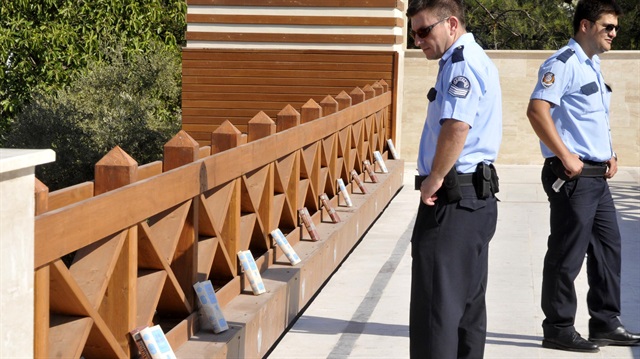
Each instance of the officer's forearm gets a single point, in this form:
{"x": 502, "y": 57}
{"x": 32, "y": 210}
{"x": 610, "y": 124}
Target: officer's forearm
{"x": 453, "y": 135}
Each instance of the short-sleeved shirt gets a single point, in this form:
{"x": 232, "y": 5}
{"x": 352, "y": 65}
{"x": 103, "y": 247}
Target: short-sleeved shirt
{"x": 573, "y": 84}
{"x": 467, "y": 89}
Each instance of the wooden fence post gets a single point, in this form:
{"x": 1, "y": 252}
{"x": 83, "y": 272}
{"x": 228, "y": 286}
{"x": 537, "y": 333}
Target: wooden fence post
{"x": 119, "y": 308}
{"x": 329, "y": 105}
{"x": 260, "y": 126}
{"x": 384, "y": 84}
{"x": 225, "y": 137}
{"x": 344, "y": 100}
{"x": 369, "y": 92}
{"x": 287, "y": 118}
{"x": 357, "y": 95}
{"x": 41, "y": 285}
{"x": 179, "y": 151}
{"x": 377, "y": 89}
{"x": 114, "y": 170}
{"x": 310, "y": 111}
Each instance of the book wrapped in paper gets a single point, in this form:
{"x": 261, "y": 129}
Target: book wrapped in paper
{"x": 367, "y": 167}
{"x": 344, "y": 192}
{"x": 380, "y": 161}
{"x": 210, "y": 306}
{"x": 358, "y": 181}
{"x": 156, "y": 342}
{"x": 143, "y": 352}
{"x": 283, "y": 243}
{"x": 392, "y": 149}
{"x": 251, "y": 270}
{"x": 327, "y": 206}
{"x": 305, "y": 217}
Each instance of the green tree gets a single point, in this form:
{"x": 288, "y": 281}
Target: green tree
{"x": 131, "y": 102}
{"x": 538, "y": 24}
{"x": 519, "y": 25}
{"x": 45, "y": 43}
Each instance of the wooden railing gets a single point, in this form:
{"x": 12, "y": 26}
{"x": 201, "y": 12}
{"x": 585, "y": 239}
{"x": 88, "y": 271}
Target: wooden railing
{"x": 124, "y": 250}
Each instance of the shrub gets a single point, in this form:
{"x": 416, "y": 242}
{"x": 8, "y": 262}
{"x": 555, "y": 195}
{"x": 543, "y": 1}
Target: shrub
{"x": 131, "y": 102}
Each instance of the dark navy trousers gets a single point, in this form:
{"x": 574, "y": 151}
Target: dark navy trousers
{"x": 583, "y": 222}
{"x": 449, "y": 248}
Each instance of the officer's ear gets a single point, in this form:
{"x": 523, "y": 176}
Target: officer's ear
{"x": 454, "y": 23}
{"x": 585, "y": 25}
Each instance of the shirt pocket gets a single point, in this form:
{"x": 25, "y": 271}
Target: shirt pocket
{"x": 589, "y": 89}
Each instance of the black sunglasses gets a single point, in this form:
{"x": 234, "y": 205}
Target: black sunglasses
{"x": 608, "y": 27}
{"x": 423, "y": 32}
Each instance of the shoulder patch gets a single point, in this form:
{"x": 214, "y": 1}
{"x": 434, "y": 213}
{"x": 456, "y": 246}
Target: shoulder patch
{"x": 548, "y": 79}
{"x": 565, "y": 55}
{"x": 459, "y": 87}
{"x": 457, "y": 55}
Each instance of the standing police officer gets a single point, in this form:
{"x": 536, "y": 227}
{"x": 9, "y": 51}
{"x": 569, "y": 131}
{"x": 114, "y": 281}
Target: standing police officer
{"x": 569, "y": 111}
{"x": 458, "y": 212}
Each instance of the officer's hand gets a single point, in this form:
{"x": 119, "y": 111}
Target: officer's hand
{"x": 428, "y": 190}
{"x": 612, "y": 165}
{"x": 573, "y": 165}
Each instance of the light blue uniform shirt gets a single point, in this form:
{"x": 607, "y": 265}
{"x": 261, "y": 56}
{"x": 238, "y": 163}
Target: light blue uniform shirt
{"x": 574, "y": 85}
{"x": 467, "y": 89}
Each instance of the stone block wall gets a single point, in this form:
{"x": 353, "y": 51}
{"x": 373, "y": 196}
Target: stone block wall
{"x": 518, "y": 75}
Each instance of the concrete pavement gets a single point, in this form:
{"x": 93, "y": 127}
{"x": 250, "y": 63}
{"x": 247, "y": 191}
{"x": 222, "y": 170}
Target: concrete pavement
{"x": 363, "y": 310}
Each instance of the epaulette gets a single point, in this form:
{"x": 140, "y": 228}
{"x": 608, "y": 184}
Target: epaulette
{"x": 457, "y": 55}
{"x": 565, "y": 55}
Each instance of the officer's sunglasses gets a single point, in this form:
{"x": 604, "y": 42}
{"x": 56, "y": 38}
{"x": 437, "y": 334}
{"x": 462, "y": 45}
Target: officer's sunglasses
{"x": 608, "y": 27}
{"x": 424, "y": 31}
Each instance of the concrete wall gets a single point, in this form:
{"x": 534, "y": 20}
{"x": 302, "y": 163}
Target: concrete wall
{"x": 518, "y": 75}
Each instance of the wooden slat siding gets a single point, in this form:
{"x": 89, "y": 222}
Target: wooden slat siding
{"x": 295, "y": 38}
{"x": 319, "y": 56}
{"x": 294, "y": 20}
{"x": 257, "y": 81}
{"x": 345, "y": 25}
{"x": 300, "y": 3}
{"x": 67, "y": 229}
{"x": 279, "y": 65}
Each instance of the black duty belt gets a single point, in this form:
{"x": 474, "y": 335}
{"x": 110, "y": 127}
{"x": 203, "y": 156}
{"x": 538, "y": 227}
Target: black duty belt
{"x": 589, "y": 168}
{"x": 464, "y": 179}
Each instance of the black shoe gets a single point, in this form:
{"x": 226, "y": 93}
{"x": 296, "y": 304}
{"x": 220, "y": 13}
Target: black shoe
{"x": 619, "y": 336}
{"x": 570, "y": 341}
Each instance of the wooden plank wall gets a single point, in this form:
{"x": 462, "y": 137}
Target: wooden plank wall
{"x": 220, "y": 85}
{"x": 247, "y": 56}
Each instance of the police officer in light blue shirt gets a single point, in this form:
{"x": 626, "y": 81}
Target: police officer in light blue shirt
{"x": 458, "y": 212}
{"x": 573, "y": 83}
{"x": 465, "y": 90}
{"x": 569, "y": 111}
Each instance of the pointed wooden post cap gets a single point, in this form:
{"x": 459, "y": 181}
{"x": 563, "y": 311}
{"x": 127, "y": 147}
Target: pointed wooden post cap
{"x": 377, "y": 89}
{"x": 114, "y": 170}
{"x": 344, "y": 100}
{"x": 287, "y": 118}
{"x": 384, "y": 84}
{"x": 225, "y": 137}
{"x": 310, "y": 111}
{"x": 357, "y": 96}
{"x": 180, "y": 150}
{"x": 369, "y": 92}
{"x": 260, "y": 126}
{"x": 329, "y": 105}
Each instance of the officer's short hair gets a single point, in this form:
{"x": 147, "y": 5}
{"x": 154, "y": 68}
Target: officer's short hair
{"x": 442, "y": 8}
{"x": 592, "y": 10}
